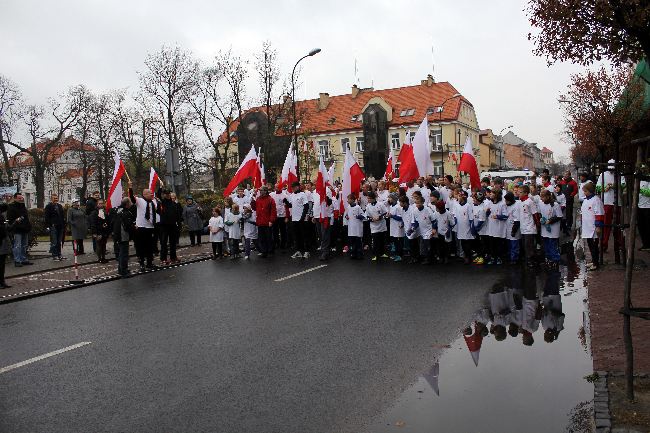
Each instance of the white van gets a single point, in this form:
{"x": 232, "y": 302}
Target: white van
{"x": 509, "y": 174}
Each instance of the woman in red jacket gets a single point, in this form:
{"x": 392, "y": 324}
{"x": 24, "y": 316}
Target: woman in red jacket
{"x": 264, "y": 206}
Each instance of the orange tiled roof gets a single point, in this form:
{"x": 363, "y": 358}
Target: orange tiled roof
{"x": 70, "y": 143}
{"x": 342, "y": 108}
{"x": 546, "y": 150}
{"x": 74, "y": 173}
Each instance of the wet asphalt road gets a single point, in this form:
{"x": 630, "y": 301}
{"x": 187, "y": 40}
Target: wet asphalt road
{"x": 222, "y": 347}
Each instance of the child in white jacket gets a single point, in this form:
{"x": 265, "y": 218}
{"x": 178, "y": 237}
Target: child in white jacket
{"x": 249, "y": 217}
{"x": 216, "y": 229}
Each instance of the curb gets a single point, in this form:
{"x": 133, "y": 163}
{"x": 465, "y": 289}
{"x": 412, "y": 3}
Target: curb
{"x": 602, "y": 416}
{"x": 20, "y": 296}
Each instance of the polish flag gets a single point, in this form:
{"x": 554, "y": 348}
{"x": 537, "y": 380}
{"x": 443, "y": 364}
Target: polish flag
{"x": 422, "y": 150}
{"x": 468, "y": 164}
{"x": 289, "y": 171}
{"x": 408, "y": 170}
{"x": 352, "y": 177}
{"x": 247, "y": 169}
{"x": 390, "y": 166}
{"x": 330, "y": 174}
{"x": 474, "y": 342}
{"x": 260, "y": 178}
{"x": 153, "y": 179}
{"x": 115, "y": 191}
{"x": 322, "y": 179}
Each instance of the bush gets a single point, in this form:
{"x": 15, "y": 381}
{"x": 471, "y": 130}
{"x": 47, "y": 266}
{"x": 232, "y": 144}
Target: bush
{"x": 37, "y": 219}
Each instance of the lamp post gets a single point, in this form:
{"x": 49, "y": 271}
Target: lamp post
{"x": 501, "y": 150}
{"x": 442, "y": 153}
{"x": 293, "y": 103}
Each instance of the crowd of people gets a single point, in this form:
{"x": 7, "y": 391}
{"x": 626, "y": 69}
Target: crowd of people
{"x": 427, "y": 221}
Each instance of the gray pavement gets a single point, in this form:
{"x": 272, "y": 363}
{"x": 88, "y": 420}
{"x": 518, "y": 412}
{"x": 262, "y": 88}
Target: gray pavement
{"x": 221, "y": 346}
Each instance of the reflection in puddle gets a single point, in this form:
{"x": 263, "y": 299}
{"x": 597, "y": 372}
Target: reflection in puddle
{"x": 518, "y": 366}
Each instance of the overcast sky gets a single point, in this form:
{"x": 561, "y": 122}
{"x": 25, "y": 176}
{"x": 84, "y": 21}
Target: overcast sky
{"x": 479, "y": 46}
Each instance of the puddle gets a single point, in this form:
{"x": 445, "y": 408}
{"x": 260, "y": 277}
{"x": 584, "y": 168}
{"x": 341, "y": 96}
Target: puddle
{"x": 490, "y": 381}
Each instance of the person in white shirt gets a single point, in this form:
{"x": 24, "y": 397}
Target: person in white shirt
{"x": 376, "y": 214}
{"x": 398, "y": 205}
{"x": 552, "y": 315}
{"x": 382, "y": 193}
{"x": 145, "y": 221}
{"x": 233, "y": 222}
{"x": 643, "y": 219}
{"x": 324, "y": 219}
{"x": 242, "y": 198}
{"x": 592, "y": 216}
{"x": 463, "y": 212}
{"x": 513, "y": 234}
{"x": 584, "y": 178}
{"x": 299, "y": 208}
{"x": 216, "y": 229}
{"x": 550, "y": 219}
{"x": 561, "y": 200}
{"x": 354, "y": 217}
{"x": 249, "y": 217}
{"x": 280, "y": 224}
{"x": 605, "y": 185}
{"x": 496, "y": 227}
{"x": 528, "y": 217}
{"x": 479, "y": 227}
{"x": 422, "y": 220}
{"x": 443, "y": 223}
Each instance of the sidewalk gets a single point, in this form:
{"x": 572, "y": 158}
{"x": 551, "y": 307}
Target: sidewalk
{"x": 46, "y": 275}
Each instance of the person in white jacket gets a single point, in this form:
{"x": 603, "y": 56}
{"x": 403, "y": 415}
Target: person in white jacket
{"x": 592, "y": 215}
{"x": 216, "y": 229}
{"x": 354, "y": 217}
{"x": 376, "y": 214}
{"x": 233, "y": 221}
{"x": 422, "y": 220}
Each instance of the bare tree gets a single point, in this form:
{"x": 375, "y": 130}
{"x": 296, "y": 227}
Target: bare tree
{"x": 134, "y": 131}
{"x": 168, "y": 79}
{"x": 10, "y": 110}
{"x": 104, "y": 135}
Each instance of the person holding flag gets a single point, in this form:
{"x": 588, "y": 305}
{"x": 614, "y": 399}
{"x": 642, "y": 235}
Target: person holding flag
{"x": 147, "y": 215}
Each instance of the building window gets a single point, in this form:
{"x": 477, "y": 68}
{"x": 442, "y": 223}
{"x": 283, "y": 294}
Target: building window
{"x": 437, "y": 168}
{"x": 359, "y": 144}
{"x": 407, "y": 112}
{"x": 394, "y": 141}
{"x": 345, "y": 144}
{"x": 324, "y": 148}
{"x": 435, "y": 139}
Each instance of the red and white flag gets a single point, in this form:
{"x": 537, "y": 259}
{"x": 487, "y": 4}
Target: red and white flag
{"x": 352, "y": 177}
{"x": 247, "y": 169}
{"x": 422, "y": 150}
{"x": 289, "y": 171}
{"x": 473, "y": 343}
{"x": 468, "y": 164}
{"x": 115, "y": 191}
{"x": 153, "y": 179}
{"x": 330, "y": 174}
{"x": 322, "y": 180}
{"x": 408, "y": 170}
{"x": 260, "y": 178}
{"x": 390, "y": 166}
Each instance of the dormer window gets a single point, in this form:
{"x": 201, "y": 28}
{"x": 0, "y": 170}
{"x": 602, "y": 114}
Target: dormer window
{"x": 407, "y": 112}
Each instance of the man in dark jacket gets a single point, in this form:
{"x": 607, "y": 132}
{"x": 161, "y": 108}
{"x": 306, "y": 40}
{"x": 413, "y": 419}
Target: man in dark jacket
{"x": 169, "y": 220}
{"x": 18, "y": 216}
{"x": 123, "y": 228}
{"x": 569, "y": 189}
{"x": 91, "y": 206}
{"x": 55, "y": 225}
{"x": 266, "y": 211}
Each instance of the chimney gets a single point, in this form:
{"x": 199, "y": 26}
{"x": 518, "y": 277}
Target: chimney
{"x": 429, "y": 81}
{"x": 323, "y": 101}
{"x": 355, "y": 91}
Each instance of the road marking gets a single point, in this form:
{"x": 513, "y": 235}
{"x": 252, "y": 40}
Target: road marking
{"x": 297, "y": 274}
{"x": 39, "y": 358}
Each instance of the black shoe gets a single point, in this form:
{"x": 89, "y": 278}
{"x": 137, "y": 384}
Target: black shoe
{"x": 142, "y": 268}
{"x": 5, "y": 286}
{"x": 27, "y": 263}
{"x": 18, "y": 264}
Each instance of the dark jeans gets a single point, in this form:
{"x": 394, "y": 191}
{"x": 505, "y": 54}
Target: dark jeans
{"x": 529, "y": 247}
{"x": 123, "y": 258}
{"x": 378, "y": 243}
{"x": 356, "y": 249}
{"x": 234, "y": 246}
{"x": 497, "y": 247}
{"x": 79, "y": 245}
{"x": 280, "y": 233}
{"x": 569, "y": 212}
{"x": 146, "y": 241}
{"x": 217, "y": 249}
{"x": 298, "y": 235}
{"x": 325, "y": 239}
{"x": 594, "y": 250}
{"x": 425, "y": 247}
{"x": 56, "y": 240}
{"x": 551, "y": 249}
{"x": 398, "y": 245}
{"x": 167, "y": 242}
{"x": 466, "y": 245}
{"x": 3, "y": 260}
{"x": 265, "y": 239}
{"x": 513, "y": 249}
{"x": 195, "y": 234}
{"x": 643, "y": 220}
{"x": 100, "y": 246}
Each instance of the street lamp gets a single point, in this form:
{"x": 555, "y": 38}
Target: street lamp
{"x": 442, "y": 153}
{"x": 501, "y": 150}
{"x": 293, "y": 103}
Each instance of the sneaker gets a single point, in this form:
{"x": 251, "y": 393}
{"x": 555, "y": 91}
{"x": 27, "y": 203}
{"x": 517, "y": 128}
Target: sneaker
{"x": 374, "y": 259}
{"x": 384, "y": 256}
{"x": 260, "y": 254}
{"x": 397, "y": 259}
{"x": 592, "y": 267}
{"x": 489, "y": 262}
{"x": 27, "y": 263}
{"x": 247, "y": 257}
{"x": 346, "y": 249}
{"x": 18, "y": 264}
{"x": 142, "y": 268}
{"x": 479, "y": 261}
{"x": 498, "y": 262}
{"x": 63, "y": 258}
{"x": 306, "y": 255}
{"x": 426, "y": 262}
{"x": 297, "y": 255}
{"x": 56, "y": 259}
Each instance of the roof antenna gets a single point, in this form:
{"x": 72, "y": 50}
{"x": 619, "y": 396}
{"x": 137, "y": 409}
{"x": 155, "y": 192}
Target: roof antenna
{"x": 356, "y": 72}
{"x": 433, "y": 64}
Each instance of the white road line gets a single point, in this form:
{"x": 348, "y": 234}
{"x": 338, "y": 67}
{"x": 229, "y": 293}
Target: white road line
{"x": 297, "y": 274}
{"x": 39, "y": 358}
